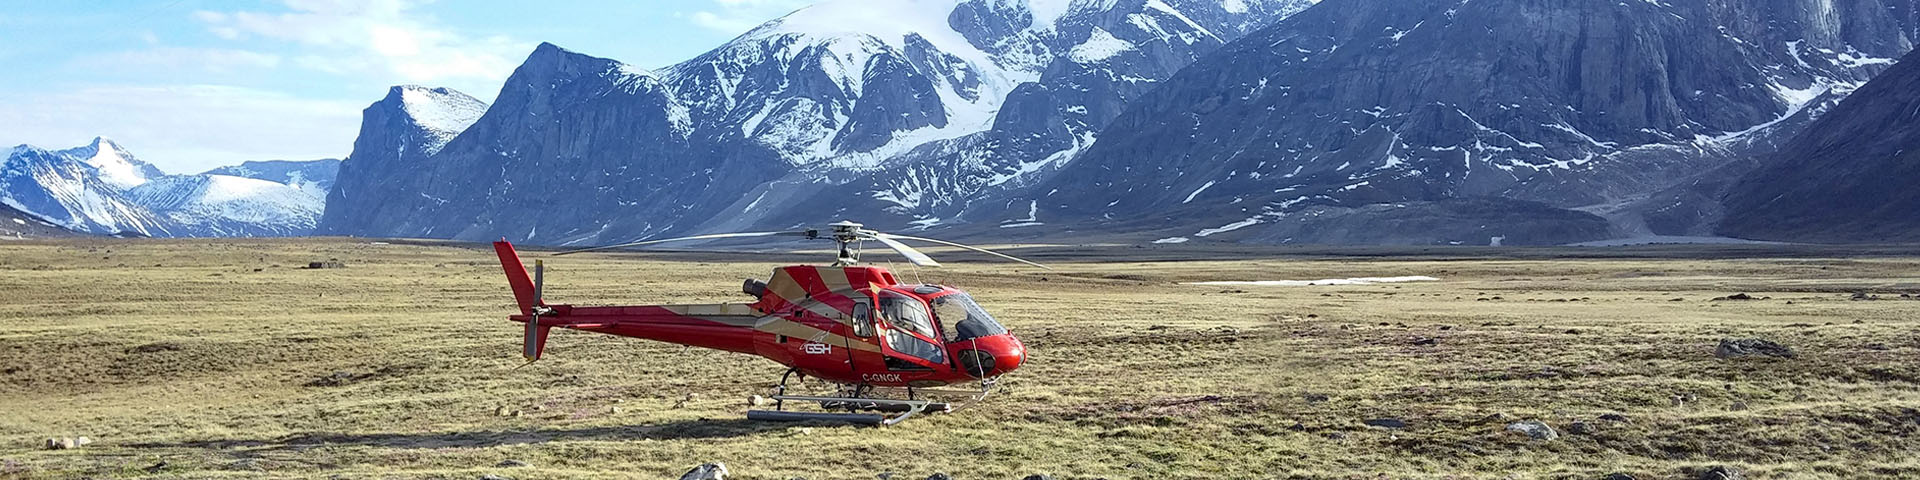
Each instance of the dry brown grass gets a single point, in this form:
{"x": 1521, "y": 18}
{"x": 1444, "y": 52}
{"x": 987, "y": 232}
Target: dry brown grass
{"x": 221, "y": 360}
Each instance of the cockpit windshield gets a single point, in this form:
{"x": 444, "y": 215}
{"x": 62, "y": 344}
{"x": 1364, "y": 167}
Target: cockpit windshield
{"x": 963, "y": 318}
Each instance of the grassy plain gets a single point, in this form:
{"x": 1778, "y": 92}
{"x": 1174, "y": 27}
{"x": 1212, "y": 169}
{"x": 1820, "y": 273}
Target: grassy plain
{"x": 218, "y": 359}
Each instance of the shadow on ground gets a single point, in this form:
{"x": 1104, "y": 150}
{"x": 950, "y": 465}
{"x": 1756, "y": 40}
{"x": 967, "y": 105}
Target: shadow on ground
{"x": 696, "y": 429}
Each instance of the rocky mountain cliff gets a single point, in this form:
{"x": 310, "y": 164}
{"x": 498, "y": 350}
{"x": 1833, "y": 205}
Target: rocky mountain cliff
{"x": 386, "y": 172}
{"x": 1369, "y": 108}
{"x": 1848, "y": 178}
{"x": 894, "y": 112}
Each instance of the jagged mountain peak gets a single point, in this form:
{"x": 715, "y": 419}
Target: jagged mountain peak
{"x": 117, "y": 166}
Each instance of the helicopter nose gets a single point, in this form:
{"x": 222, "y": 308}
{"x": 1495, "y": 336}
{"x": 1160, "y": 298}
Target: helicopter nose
{"x": 1014, "y": 354}
{"x": 992, "y": 355}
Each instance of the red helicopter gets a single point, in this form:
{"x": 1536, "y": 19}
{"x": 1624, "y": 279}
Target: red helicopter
{"x": 854, "y": 326}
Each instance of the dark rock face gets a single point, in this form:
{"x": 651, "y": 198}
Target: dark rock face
{"x": 1369, "y": 102}
{"x": 380, "y": 186}
{"x": 1847, "y": 178}
{"x": 571, "y": 142}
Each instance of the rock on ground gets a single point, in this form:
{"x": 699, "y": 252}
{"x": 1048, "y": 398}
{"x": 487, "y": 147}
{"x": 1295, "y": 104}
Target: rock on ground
{"x": 710, "y": 471}
{"x": 1722, "y": 473}
{"x": 1730, "y": 348}
{"x": 1534, "y": 429}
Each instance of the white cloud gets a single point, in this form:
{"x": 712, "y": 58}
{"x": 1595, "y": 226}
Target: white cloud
{"x": 735, "y": 17}
{"x": 375, "y": 38}
{"x": 186, "y": 128}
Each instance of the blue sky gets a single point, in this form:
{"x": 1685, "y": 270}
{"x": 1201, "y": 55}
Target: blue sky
{"x": 193, "y": 84}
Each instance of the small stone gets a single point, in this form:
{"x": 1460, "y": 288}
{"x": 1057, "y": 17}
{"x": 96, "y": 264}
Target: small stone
{"x": 517, "y": 414}
{"x": 1393, "y": 423}
{"x": 1737, "y": 407}
{"x": 1614, "y": 417}
{"x": 1679, "y": 401}
{"x": 756, "y": 400}
{"x": 1580, "y": 428}
{"x": 939, "y": 476}
{"x": 1722, "y": 473}
{"x": 613, "y": 410}
{"x": 1337, "y": 436}
{"x": 82, "y": 441}
{"x": 1496, "y": 418}
{"x": 156, "y": 468}
{"x": 502, "y": 411}
{"x": 1297, "y": 427}
{"x": 1534, "y": 429}
{"x": 1313, "y": 398}
{"x": 493, "y": 477}
{"x": 710, "y": 471}
{"x": 1618, "y": 476}
{"x": 1426, "y": 342}
{"x": 1038, "y": 476}
{"x": 511, "y": 463}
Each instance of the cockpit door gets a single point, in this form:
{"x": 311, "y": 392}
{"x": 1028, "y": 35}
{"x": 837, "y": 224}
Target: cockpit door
{"x": 909, "y": 339}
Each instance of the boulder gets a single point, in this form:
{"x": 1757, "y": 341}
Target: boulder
{"x": 710, "y": 471}
{"x": 1580, "y": 427}
{"x": 1722, "y": 473}
{"x": 1731, "y": 348}
{"x": 1534, "y": 429}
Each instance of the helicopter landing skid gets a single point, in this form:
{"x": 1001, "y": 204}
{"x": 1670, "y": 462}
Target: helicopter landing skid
{"x": 856, "y": 400}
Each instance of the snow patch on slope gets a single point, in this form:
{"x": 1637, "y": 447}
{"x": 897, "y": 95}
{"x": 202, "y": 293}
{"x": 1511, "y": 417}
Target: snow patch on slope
{"x": 441, "y": 112}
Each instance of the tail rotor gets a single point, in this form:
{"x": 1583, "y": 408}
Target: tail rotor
{"x": 536, "y": 335}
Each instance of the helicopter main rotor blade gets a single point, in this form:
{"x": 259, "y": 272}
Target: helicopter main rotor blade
{"x": 913, "y": 256}
{"x": 798, "y": 233}
{"x": 884, "y": 237}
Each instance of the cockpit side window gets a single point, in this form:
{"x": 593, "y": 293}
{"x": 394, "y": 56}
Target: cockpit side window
{"x": 863, "y": 319}
{"x": 906, "y": 313}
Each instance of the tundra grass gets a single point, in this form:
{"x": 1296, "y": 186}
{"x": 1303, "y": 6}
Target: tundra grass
{"x": 221, "y": 359}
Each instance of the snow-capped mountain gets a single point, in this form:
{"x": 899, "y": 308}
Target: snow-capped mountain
{"x": 65, "y": 188}
{"x": 898, "y": 112}
{"x": 1846, "y": 178}
{"x": 1375, "y": 121}
{"x": 313, "y": 176}
{"x": 208, "y": 205}
{"x": 104, "y": 190}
